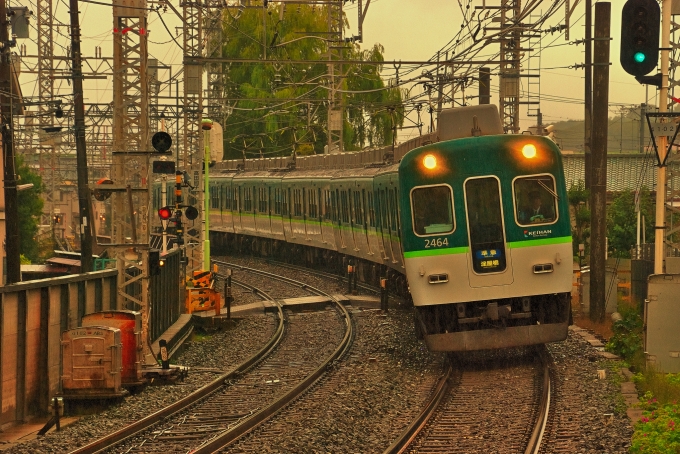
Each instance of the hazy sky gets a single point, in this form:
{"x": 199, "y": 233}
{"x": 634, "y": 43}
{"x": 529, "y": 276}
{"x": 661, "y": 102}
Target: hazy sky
{"x": 417, "y": 29}
{"x": 408, "y": 30}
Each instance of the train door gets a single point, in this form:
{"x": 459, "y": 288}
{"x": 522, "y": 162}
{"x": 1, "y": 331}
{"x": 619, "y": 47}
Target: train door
{"x": 489, "y": 257}
{"x": 290, "y": 213}
{"x": 352, "y": 211}
{"x": 386, "y": 224}
{"x": 394, "y": 232}
{"x": 336, "y": 213}
{"x": 365, "y": 213}
{"x": 240, "y": 208}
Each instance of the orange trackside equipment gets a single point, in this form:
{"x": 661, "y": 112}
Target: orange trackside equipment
{"x": 202, "y": 299}
{"x": 203, "y": 296}
{"x": 202, "y": 279}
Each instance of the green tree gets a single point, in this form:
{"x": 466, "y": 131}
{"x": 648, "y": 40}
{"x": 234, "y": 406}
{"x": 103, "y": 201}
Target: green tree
{"x": 622, "y": 221}
{"x": 30, "y": 209}
{"x": 282, "y": 105}
{"x": 578, "y": 199}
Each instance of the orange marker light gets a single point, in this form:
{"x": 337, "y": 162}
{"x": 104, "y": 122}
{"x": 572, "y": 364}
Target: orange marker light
{"x": 529, "y": 151}
{"x": 430, "y": 162}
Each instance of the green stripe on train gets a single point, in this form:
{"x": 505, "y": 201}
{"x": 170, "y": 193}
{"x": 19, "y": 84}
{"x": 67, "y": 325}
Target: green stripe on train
{"x": 433, "y": 252}
{"x": 540, "y": 242}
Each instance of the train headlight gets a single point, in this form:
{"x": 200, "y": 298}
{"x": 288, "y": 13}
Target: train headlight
{"x": 430, "y": 162}
{"x": 529, "y": 151}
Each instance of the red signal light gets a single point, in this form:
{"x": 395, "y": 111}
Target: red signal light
{"x": 164, "y": 213}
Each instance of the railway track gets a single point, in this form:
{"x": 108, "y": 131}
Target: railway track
{"x": 104, "y": 443}
{"x": 311, "y": 342}
{"x": 483, "y": 409}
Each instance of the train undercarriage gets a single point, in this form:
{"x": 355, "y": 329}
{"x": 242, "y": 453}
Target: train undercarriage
{"x": 502, "y": 323}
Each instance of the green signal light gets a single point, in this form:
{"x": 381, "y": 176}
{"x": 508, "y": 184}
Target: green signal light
{"x": 639, "y": 57}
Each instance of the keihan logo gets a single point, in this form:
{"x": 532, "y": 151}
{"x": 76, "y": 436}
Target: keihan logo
{"x": 536, "y": 233}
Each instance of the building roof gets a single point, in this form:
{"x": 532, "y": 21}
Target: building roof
{"x": 624, "y": 171}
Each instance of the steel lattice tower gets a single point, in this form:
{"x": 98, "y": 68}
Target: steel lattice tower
{"x": 335, "y": 79}
{"x": 130, "y": 169}
{"x": 509, "y": 70}
{"x": 192, "y": 14}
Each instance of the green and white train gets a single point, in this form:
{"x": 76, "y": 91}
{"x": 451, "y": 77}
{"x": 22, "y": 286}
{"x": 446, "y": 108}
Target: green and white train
{"x": 473, "y": 222}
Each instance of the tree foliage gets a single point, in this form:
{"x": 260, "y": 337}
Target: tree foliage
{"x": 30, "y": 206}
{"x": 282, "y": 105}
{"x": 622, "y": 221}
{"x": 578, "y": 199}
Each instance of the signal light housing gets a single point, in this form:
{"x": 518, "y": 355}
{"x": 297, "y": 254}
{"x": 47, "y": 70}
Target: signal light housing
{"x": 165, "y": 213}
{"x": 640, "y": 23}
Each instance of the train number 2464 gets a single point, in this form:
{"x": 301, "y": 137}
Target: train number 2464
{"x": 436, "y": 242}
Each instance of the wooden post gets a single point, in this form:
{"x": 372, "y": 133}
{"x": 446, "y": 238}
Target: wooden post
{"x": 598, "y": 190}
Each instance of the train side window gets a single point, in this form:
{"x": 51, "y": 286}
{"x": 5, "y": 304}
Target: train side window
{"x": 285, "y": 210}
{"x": 384, "y": 221}
{"x": 328, "y": 209}
{"x": 214, "y": 197}
{"x": 371, "y": 210}
{"x": 277, "y": 201}
{"x": 535, "y": 200}
{"x": 432, "y": 210}
{"x": 393, "y": 211}
{"x": 344, "y": 209}
{"x": 358, "y": 208}
{"x": 334, "y": 206}
{"x": 485, "y": 224}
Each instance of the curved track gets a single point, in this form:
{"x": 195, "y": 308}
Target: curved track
{"x": 263, "y": 415}
{"x": 309, "y": 345}
{"x": 476, "y": 410}
{"x": 131, "y": 430}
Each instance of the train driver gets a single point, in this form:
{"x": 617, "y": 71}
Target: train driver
{"x": 536, "y": 212}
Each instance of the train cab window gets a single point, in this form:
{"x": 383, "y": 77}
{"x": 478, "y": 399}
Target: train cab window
{"x": 485, "y": 224}
{"x": 535, "y": 200}
{"x": 432, "y": 210}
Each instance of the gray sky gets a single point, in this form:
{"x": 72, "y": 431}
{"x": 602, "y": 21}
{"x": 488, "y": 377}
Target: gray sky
{"x": 416, "y": 30}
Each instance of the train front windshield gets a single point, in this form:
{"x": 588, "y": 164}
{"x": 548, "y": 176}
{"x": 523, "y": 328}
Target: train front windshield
{"x": 485, "y": 221}
{"x": 432, "y": 208}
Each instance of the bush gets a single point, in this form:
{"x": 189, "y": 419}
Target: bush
{"x": 658, "y": 431}
{"x": 627, "y": 339}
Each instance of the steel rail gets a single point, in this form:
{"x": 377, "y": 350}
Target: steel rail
{"x": 231, "y": 435}
{"x": 409, "y": 434}
{"x": 104, "y": 443}
{"x": 534, "y": 445}
{"x": 325, "y": 274}
{"x": 403, "y": 442}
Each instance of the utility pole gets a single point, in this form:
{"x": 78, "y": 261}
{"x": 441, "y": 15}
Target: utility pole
{"x": 588, "y": 121}
{"x": 598, "y": 190}
{"x": 81, "y": 148}
{"x": 661, "y": 144}
{"x": 643, "y": 122}
{"x": 11, "y": 206}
